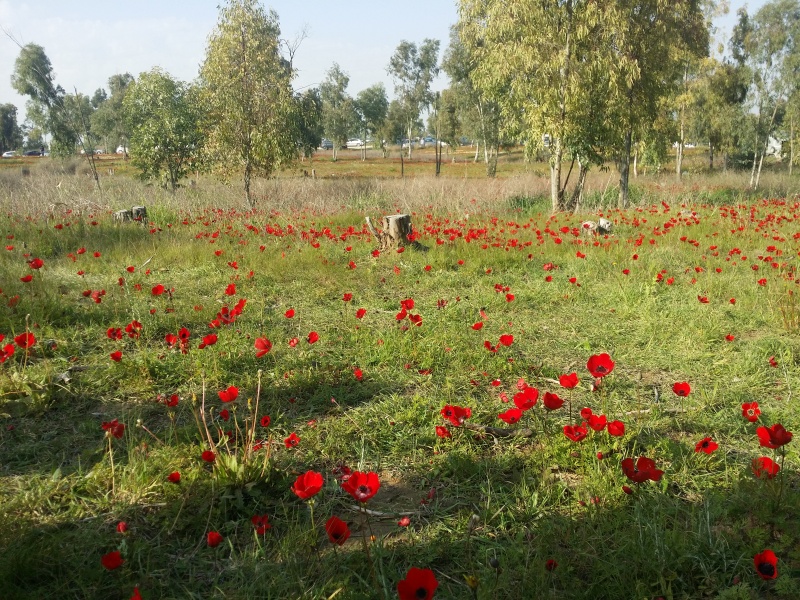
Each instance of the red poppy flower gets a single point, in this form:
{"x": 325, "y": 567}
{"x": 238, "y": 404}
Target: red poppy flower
{"x": 682, "y": 389}
{"x": 158, "y": 290}
{"x": 360, "y": 313}
{"x": 26, "y": 278}
{"x": 36, "y": 263}
{"x": 313, "y": 337}
{"x": 136, "y": 595}
{"x": 506, "y": 339}
{"x": 706, "y": 445}
{"x": 477, "y": 326}
{"x": 773, "y": 437}
{"x": 358, "y": 374}
{"x": 511, "y": 416}
{"x": 443, "y": 432}
{"x": 229, "y": 395}
{"x": 456, "y": 414}
{"x": 773, "y": 362}
{"x": 184, "y": 334}
{"x": 224, "y": 414}
{"x": 262, "y": 346}
{"x": 291, "y": 441}
{"x": 404, "y": 521}
{"x": 174, "y": 477}
{"x": 766, "y": 564}
{"x": 526, "y": 399}
{"x": 289, "y": 313}
{"x": 730, "y": 337}
{"x": 419, "y": 584}
{"x": 576, "y": 432}
{"x": 597, "y": 422}
{"x": 702, "y": 299}
{"x": 25, "y": 340}
{"x": 214, "y": 539}
{"x": 362, "y": 486}
{"x": 586, "y": 412}
{"x": 765, "y": 466}
{"x": 600, "y": 365}
{"x": 293, "y": 342}
{"x": 550, "y": 565}
{"x": 171, "y": 339}
{"x": 347, "y": 296}
{"x": 261, "y": 523}
{"x": 642, "y": 470}
{"x": 265, "y": 421}
{"x": 308, "y": 484}
{"x": 616, "y": 428}
{"x": 552, "y": 401}
{"x": 122, "y": 527}
{"x": 568, "y": 381}
{"x": 208, "y": 456}
{"x": 116, "y": 356}
{"x": 230, "y": 290}
{"x": 172, "y": 400}
{"x": 750, "y": 411}
{"x": 112, "y": 560}
{"x": 337, "y": 531}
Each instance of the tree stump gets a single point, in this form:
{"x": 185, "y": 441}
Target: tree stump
{"x": 396, "y": 229}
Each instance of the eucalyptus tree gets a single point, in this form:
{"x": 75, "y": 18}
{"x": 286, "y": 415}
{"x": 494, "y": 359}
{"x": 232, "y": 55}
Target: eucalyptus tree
{"x": 413, "y": 70}
{"x": 338, "y": 110}
{"x": 371, "y": 106}
{"x": 10, "y": 131}
{"x": 108, "y": 119}
{"x": 768, "y": 44}
{"x": 165, "y": 125}
{"x": 246, "y": 89}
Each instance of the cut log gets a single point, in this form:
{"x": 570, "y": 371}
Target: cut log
{"x": 395, "y": 233}
{"x": 123, "y": 216}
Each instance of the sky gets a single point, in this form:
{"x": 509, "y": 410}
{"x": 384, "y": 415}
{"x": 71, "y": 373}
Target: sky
{"x": 89, "y": 42}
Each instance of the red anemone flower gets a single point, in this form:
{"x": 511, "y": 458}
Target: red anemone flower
{"x": 773, "y": 437}
{"x": 552, "y": 401}
{"x": 706, "y": 445}
{"x": 597, "y": 422}
{"x": 308, "y": 484}
{"x": 112, "y": 560}
{"x": 765, "y": 466}
{"x": 262, "y": 346}
{"x": 456, "y": 414}
{"x": 511, "y": 416}
{"x": 36, "y": 263}
{"x": 443, "y": 432}
{"x": 600, "y": 365}
{"x": 526, "y": 399}
{"x": 360, "y": 313}
{"x": 26, "y": 278}
{"x": 766, "y": 564}
{"x": 682, "y": 389}
{"x": 616, "y": 428}
{"x": 419, "y": 584}
{"x": 230, "y": 290}
{"x": 261, "y": 523}
{"x": 265, "y": 421}
{"x": 576, "y": 432}
{"x": 750, "y": 411}
{"x": 289, "y": 313}
{"x": 214, "y": 539}
{"x": 337, "y": 530}
{"x": 642, "y": 470}
{"x": 362, "y": 486}
{"x": 229, "y": 395}
{"x": 114, "y": 428}
{"x": 25, "y": 340}
{"x": 208, "y": 456}
{"x": 157, "y": 290}
{"x": 568, "y": 381}
{"x": 313, "y": 337}
{"x": 506, "y": 339}
{"x": 116, "y": 356}
{"x": 292, "y": 440}
{"x": 174, "y": 477}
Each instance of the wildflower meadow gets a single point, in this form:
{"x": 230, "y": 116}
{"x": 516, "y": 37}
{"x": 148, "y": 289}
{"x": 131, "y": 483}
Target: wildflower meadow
{"x": 221, "y": 403}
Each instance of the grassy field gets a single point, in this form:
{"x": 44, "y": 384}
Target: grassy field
{"x": 133, "y": 353}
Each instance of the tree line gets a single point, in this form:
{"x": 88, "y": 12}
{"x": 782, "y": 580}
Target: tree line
{"x": 580, "y": 83}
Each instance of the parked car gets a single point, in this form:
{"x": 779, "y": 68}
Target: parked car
{"x": 355, "y": 143}
{"x": 326, "y": 144}
{"x": 9, "y": 154}
{"x": 122, "y": 150}
{"x": 33, "y": 153}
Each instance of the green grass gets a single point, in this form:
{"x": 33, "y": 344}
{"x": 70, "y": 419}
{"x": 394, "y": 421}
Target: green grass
{"x": 491, "y": 508}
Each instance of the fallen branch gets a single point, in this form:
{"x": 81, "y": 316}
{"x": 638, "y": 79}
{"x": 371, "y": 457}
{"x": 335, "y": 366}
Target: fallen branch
{"x": 383, "y": 515}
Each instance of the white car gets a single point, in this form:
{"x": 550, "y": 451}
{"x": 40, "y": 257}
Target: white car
{"x": 122, "y": 150}
{"x": 9, "y": 154}
{"x": 355, "y": 144}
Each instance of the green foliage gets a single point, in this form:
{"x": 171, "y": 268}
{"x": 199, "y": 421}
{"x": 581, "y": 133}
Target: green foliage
{"x": 10, "y": 131}
{"x": 108, "y": 120}
{"x": 164, "y": 119}
{"x": 339, "y": 115}
{"x": 246, "y": 90}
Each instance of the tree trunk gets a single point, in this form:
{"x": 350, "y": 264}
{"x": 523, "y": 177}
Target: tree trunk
{"x": 409, "y": 140}
{"x": 710, "y": 156}
{"x": 395, "y": 232}
{"x": 555, "y": 175}
{"x": 247, "y": 175}
{"x": 636, "y": 162}
{"x": 753, "y": 170}
{"x": 791, "y": 145}
{"x": 624, "y": 165}
{"x": 477, "y": 149}
{"x": 758, "y": 175}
